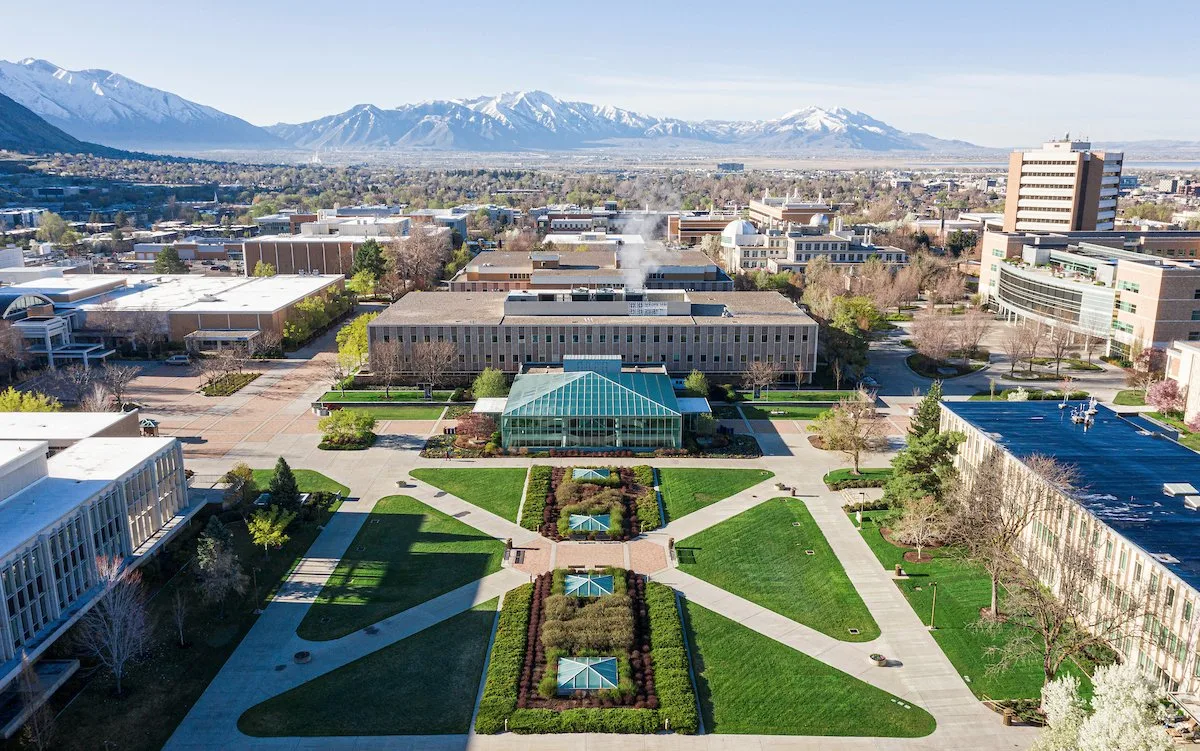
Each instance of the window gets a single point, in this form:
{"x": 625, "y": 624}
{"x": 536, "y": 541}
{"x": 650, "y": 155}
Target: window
{"x": 1129, "y": 307}
{"x": 1135, "y": 287}
{"x": 1170, "y": 596}
{"x": 1187, "y": 610}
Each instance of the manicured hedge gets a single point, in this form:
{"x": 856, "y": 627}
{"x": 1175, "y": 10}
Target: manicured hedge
{"x": 616, "y": 720}
{"x": 648, "y": 513}
{"x": 673, "y": 682}
{"x": 540, "y": 476}
{"x": 508, "y": 655}
{"x": 644, "y": 474}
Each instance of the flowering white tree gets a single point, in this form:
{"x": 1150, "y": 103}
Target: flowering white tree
{"x": 1126, "y": 713}
{"x": 1165, "y": 396}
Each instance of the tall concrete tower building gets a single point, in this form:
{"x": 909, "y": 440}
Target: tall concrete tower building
{"x": 1062, "y": 187}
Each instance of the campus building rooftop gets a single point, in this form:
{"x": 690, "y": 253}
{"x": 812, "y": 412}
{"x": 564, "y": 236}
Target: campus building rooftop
{"x": 1123, "y": 469}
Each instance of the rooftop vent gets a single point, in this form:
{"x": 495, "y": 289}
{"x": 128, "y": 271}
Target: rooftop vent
{"x": 1192, "y": 502}
{"x": 1179, "y": 488}
{"x": 1164, "y": 558}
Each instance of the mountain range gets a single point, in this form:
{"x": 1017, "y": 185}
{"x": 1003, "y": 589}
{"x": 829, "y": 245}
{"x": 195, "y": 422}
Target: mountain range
{"x": 108, "y": 108}
{"x": 22, "y": 130}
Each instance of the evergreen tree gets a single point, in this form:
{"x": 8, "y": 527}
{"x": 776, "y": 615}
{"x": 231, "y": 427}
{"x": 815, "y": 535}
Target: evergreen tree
{"x": 369, "y": 258}
{"x": 929, "y": 412}
{"x": 283, "y": 488}
{"x": 215, "y": 538}
{"x": 923, "y": 468}
{"x": 169, "y": 262}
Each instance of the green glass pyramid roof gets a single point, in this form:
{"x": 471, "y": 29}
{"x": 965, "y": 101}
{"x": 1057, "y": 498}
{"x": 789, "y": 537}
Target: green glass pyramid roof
{"x": 590, "y": 473}
{"x": 588, "y": 585}
{"x": 586, "y": 673}
{"x": 590, "y": 394}
{"x": 589, "y": 522}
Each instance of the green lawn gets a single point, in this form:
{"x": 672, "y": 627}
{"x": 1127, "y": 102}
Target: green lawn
{"x": 162, "y": 688}
{"x": 688, "y": 490}
{"x": 405, "y": 553}
{"x": 877, "y": 475}
{"x": 497, "y": 490}
{"x": 377, "y": 396}
{"x": 760, "y": 555}
{"x": 308, "y": 480}
{"x": 1186, "y": 437}
{"x": 422, "y": 685}
{"x": 829, "y": 397}
{"x": 963, "y": 590}
{"x": 1130, "y": 398}
{"x": 1068, "y": 363}
{"x": 749, "y": 683}
{"x": 405, "y": 412}
{"x": 785, "y": 412}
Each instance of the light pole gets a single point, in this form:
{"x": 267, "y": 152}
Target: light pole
{"x": 862, "y": 501}
{"x": 933, "y": 610}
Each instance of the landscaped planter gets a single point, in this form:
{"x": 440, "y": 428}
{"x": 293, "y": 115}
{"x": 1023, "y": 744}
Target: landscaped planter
{"x": 303, "y": 657}
{"x": 879, "y": 660}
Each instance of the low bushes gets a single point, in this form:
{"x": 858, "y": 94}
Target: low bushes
{"x": 673, "y": 682}
{"x": 508, "y": 654}
{"x": 536, "y": 493}
{"x": 840, "y": 479}
{"x": 880, "y": 505}
{"x": 228, "y": 384}
{"x": 587, "y": 720}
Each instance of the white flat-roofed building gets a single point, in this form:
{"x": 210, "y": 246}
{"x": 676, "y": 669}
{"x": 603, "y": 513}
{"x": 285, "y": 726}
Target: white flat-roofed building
{"x": 63, "y": 429}
{"x": 100, "y": 497}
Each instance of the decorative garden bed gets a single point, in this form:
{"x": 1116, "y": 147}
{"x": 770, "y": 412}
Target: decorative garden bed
{"x": 357, "y": 443}
{"x": 614, "y": 503}
{"x": 228, "y": 384}
{"x": 627, "y": 638}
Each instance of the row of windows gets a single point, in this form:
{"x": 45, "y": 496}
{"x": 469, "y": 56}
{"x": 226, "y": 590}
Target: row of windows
{"x": 603, "y": 338}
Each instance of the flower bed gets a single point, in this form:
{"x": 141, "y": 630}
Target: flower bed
{"x": 738, "y": 446}
{"x": 630, "y": 502}
{"x": 228, "y": 384}
{"x": 638, "y": 624}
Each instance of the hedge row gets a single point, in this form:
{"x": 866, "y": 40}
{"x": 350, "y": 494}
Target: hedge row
{"x": 862, "y": 482}
{"x": 597, "y": 720}
{"x": 672, "y": 677}
{"x": 540, "y": 476}
{"x": 648, "y": 513}
{"x": 880, "y": 505}
{"x": 644, "y": 474}
{"x": 508, "y": 654}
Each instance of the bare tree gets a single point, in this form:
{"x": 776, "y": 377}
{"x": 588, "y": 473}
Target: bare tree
{"x": 145, "y": 328}
{"x": 179, "y": 613}
{"x": 1032, "y": 337}
{"x": 760, "y": 374}
{"x": 39, "y": 730}
{"x": 993, "y": 504}
{"x": 852, "y": 426}
{"x": 13, "y": 352}
{"x": 950, "y": 288}
{"x": 1059, "y": 343}
{"x": 117, "y": 379}
{"x": 908, "y": 286}
{"x": 98, "y": 399}
{"x": 338, "y": 367}
{"x": 799, "y": 371}
{"x": 74, "y": 382}
{"x": 933, "y": 335}
{"x": 116, "y": 631}
{"x": 973, "y": 325}
{"x": 268, "y": 343}
{"x": 387, "y": 359}
{"x": 1012, "y": 345}
{"x": 1090, "y": 343}
{"x": 1067, "y": 620}
{"x": 920, "y": 523}
{"x": 420, "y": 257}
{"x": 431, "y": 360}
{"x": 221, "y": 575}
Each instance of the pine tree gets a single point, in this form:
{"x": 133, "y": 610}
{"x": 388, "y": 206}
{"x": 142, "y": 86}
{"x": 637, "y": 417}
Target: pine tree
{"x": 929, "y": 412}
{"x": 369, "y": 258}
{"x": 283, "y": 488}
{"x": 169, "y": 262}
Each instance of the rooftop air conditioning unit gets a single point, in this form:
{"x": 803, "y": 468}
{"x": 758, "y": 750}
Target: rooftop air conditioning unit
{"x": 1192, "y": 502}
{"x": 1179, "y": 488}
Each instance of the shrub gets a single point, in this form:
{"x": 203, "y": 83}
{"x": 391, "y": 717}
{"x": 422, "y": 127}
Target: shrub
{"x": 863, "y": 482}
{"x": 476, "y": 426}
{"x": 647, "y": 511}
{"x": 599, "y": 720}
{"x": 347, "y": 427}
{"x": 672, "y": 679}
{"x": 644, "y": 474}
{"x": 540, "y": 477}
{"x": 504, "y": 669}
{"x": 880, "y": 505}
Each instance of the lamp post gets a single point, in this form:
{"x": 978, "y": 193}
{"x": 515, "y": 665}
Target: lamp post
{"x": 933, "y": 610}
{"x": 862, "y": 501}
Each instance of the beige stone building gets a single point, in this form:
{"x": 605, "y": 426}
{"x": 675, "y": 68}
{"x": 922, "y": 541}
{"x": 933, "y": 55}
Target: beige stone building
{"x": 1062, "y": 187}
{"x": 714, "y": 332}
{"x": 1183, "y": 367}
{"x": 493, "y": 271}
{"x": 780, "y": 211}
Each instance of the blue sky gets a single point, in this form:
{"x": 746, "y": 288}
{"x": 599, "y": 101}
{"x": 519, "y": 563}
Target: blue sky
{"x": 998, "y": 74}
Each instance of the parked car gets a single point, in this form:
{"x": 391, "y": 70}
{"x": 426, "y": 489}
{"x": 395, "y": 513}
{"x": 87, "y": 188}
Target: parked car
{"x": 178, "y": 360}
{"x": 221, "y": 267}
{"x": 869, "y": 382}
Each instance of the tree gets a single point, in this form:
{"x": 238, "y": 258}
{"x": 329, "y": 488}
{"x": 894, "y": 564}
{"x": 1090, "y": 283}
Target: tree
{"x": 1065, "y": 621}
{"x": 1148, "y": 366}
{"x": 220, "y": 574}
{"x": 283, "y": 488}
{"x": 241, "y": 488}
{"x": 74, "y": 382}
{"x": 347, "y": 425}
{"x": 353, "y": 338}
{"x": 920, "y": 523}
{"x": 116, "y": 631}
{"x": 855, "y": 314}
{"x": 362, "y": 283}
{"x": 39, "y": 730}
{"x": 696, "y": 384}
{"x": 1031, "y": 335}
{"x": 339, "y": 369}
{"x": 431, "y": 360}
{"x": 168, "y": 262}
{"x": 145, "y": 328}
{"x": 995, "y": 502}
{"x": 951, "y": 287}
{"x": 368, "y": 258}
{"x": 98, "y": 399}
{"x": 850, "y": 426}
{"x": 1128, "y": 712}
{"x": 1165, "y": 396}
{"x": 51, "y": 227}
{"x": 933, "y": 335}
{"x": 490, "y": 383}
{"x": 386, "y": 362}
{"x": 268, "y": 527}
{"x": 760, "y": 374}
{"x": 1059, "y": 341}
{"x": 928, "y": 417}
{"x": 264, "y": 269}
{"x": 13, "y": 352}
{"x": 12, "y": 400}
{"x": 179, "y": 613}
{"x": 268, "y": 344}
{"x": 476, "y": 426}
{"x": 972, "y": 326}
{"x": 116, "y": 378}
{"x": 923, "y": 468}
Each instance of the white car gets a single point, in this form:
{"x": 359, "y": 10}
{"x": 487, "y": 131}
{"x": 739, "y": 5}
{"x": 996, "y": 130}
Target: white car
{"x": 178, "y": 360}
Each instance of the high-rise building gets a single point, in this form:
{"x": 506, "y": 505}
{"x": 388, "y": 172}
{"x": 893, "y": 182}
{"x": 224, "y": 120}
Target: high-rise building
{"x": 1062, "y": 187}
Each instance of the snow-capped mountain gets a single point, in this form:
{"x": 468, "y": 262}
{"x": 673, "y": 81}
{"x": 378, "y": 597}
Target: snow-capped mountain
{"x": 22, "y": 130}
{"x": 106, "y": 107}
{"x": 535, "y": 120}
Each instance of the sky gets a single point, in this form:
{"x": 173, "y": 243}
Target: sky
{"x": 996, "y": 74}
